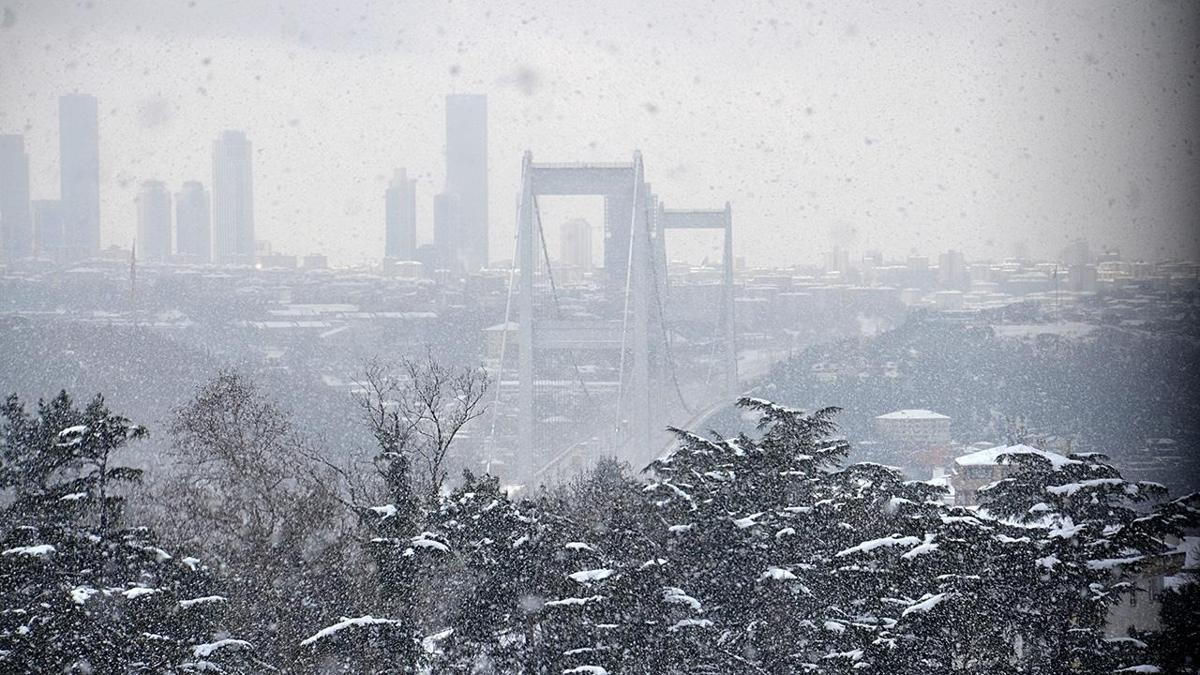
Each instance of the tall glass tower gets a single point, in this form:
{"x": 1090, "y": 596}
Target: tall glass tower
{"x": 232, "y": 199}
{"x": 467, "y": 176}
{"x": 79, "y": 154}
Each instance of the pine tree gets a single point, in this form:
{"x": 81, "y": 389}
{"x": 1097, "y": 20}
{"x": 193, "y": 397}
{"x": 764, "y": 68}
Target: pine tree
{"x": 1094, "y": 531}
{"x": 1177, "y": 648}
{"x": 488, "y": 534}
{"x": 737, "y": 512}
{"x": 79, "y": 589}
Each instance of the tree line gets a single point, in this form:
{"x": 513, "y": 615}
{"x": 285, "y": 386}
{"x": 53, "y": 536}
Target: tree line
{"x": 764, "y": 552}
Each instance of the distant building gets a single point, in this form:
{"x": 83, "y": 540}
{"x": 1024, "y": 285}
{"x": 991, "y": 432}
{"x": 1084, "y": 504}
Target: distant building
{"x": 447, "y": 228}
{"x": 1082, "y": 278}
{"x": 193, "y": 222}
{"x": 575, "y": 244}
{"x": 277, "y": 261}
{"x": 154, "y": 221}
{"x": 952, "y": 271}
{"x": 16, "y": 221}
{"x": 315, "y": 261}
{"x": 1137, "y": 609}
{"x": 1077, "y": 253}
{"x": 837, "y": 260}
{"x": 918, "y": 274}
{"x": 429, "y": 256}
{"x": 79, "y": 154}
{"x": 948, "y": 300}
{"x": 49, "y": 228}
{"x": 983, "y": 467}
{"x": 914, "y": 426}
{"x": 400, "y": 217}
{"x": 404, "y": 269}
{"x": 923, "y": 436}
{"x": 233, "y": 199}
{"x": 467, "y": 176}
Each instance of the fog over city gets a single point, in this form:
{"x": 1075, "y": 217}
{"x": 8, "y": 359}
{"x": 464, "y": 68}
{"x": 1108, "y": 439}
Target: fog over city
{"x": 869, "y": 125}
{"x": 386, "y": 336}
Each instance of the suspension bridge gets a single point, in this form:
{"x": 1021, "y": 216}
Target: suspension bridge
{"x": 607, "y": 376}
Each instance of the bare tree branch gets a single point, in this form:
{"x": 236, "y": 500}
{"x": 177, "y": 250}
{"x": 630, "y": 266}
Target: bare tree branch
{"x": 416, "y": 409}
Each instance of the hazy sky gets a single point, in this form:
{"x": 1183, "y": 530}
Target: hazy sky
{"x": 893, "y": 125}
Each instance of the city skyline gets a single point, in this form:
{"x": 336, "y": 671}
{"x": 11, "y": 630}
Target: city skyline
{"x": 862, "y": 148}
{"x": 48, "y": 230}
{"x": 563, "y": 336}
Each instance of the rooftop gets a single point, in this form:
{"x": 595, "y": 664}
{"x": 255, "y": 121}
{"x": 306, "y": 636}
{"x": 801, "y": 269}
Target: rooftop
{"x": 913, "y": 415}
{"x": 991, "y": 456}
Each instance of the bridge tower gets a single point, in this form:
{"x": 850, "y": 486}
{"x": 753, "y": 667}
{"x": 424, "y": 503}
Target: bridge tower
{"x": 635, "y": 280}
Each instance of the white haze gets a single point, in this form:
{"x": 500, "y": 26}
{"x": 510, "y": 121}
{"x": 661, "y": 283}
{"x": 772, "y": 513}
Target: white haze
{"x": 868, "y": 125}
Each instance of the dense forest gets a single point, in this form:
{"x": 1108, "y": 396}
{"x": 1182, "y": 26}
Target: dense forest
{"x": 767, "y": 552}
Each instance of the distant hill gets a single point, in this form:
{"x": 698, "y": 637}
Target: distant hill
{"x": 1108, "y": 387}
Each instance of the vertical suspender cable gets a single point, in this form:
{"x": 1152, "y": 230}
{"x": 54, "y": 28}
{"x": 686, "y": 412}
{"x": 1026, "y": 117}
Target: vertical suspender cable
{"x": 625, "y": 313}
{"x": 512, "y": 274}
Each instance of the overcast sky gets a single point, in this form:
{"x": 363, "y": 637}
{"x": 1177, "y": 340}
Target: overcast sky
{"x": 892, "y": 125}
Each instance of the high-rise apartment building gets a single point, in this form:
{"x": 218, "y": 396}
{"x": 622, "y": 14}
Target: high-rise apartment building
{"x": 232, "y": 199}
{"x": 193, "y": 223}
{"x": 79, "y": 156}
{"x": 16, "y": 222}
{"x": 467, "y": 176}
{"x": 400, "y": 217}
{"x": 154, "y": 221}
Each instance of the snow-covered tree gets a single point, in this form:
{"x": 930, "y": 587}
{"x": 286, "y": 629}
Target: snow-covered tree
{"x": 736, "y": 513}
{"x": 250, "y": 493}
{"x": 79, "y": 588}
{"x": 1176, "y": 648}
{"x": 1087, "y": 532}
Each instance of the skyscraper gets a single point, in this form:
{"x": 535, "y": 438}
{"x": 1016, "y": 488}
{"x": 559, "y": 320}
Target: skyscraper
{"x": 232, "y": 199}
{"x": 49, "y": 228}
{"x": 447, "y": 228}
{"x": 400, "y": 205}
{"x": 79, "y": 154}
{"x": 467, "y": 175}
{"x": 154, "y": 221}
{"x": 193, "y": 222}
{"x": 16, "y": 223}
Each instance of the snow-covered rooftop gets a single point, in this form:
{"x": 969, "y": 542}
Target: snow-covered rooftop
{"x": 915, "y": 414}
{"x": 991, "y": 456}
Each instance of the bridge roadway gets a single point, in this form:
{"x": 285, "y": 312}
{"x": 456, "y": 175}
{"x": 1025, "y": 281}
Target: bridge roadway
{"x": 753, "y": 365}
